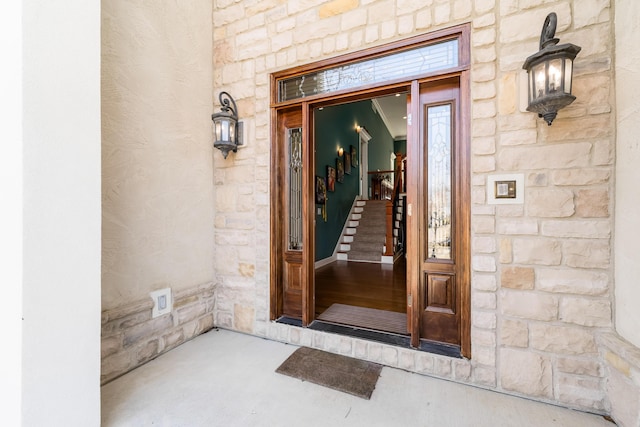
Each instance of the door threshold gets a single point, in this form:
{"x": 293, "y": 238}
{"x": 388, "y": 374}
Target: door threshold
{"x": 397, "y": 340}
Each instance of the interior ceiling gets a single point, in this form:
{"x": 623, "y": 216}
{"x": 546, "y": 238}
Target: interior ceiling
{"x": 393, "y": 111}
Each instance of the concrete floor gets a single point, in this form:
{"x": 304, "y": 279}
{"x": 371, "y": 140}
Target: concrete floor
{"x": 223, "y": 378}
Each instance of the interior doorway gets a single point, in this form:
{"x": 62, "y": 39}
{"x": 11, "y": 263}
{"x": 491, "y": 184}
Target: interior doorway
{"x": 355, "y": 284}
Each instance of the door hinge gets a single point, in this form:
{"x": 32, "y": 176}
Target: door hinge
{"x": 409, "y": 209}
{"x": 409, "y": 119}
{"x": 409, "y": 300}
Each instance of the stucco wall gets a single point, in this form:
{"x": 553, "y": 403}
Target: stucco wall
{"x": 627, "y": 170}
{"x": 541, "y": 272}
{"x": 157, "y": 192}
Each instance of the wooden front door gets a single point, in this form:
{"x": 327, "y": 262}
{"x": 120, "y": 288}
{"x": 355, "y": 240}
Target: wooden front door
{"x": 287, "y": 187}
{"x": 438, "y": 198}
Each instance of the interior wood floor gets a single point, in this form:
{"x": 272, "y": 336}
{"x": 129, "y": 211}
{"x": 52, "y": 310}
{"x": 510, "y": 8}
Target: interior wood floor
{"x": 380, "y": 286}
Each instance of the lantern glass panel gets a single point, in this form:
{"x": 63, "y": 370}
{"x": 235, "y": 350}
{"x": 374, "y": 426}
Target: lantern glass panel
{"x": 568, "y": 71}
{"x": 217, "y": 129}
{"x": 539, "y": 79}
{"x": 555, "y": 75}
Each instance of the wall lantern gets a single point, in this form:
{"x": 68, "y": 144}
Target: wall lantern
{"x": 550, "y": 72}
{"x": 227, "y": 131}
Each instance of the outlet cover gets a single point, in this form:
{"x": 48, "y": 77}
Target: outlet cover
{"x": 162, "y": 302}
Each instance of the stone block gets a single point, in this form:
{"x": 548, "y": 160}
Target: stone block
{"x": 506, "y": 251}
{"x": 483, "y": 263}
{"x": 592, "y": 203}
{"x": 484, "y": 355}
{"x": 525, "y": 372}
{"x": 147, "y": 330}
{"x": 518, "y": 137}
{"x": 172, "y": 340}
{"x": 407, "y": 360}
{"x": 483, "y": 337}
{"x": 624, "y": 396}
{"x": 507, "y": 100}
{"x": 484, "y": 282}
{"x": 591, "y": 12}
{"x": 587, "y": 253}
{"x": 537, "y": 179}
{"x": 517, "y": 278}
{"x": 191, "y": 312}
{"x": 390, "y": 356}
{"x": 424, "y": 363}
{"x": 514, "y": 333}
{"x": 519, "y": 226}
{"x": 581, "y": 392}
{"x": 483, "y": 146}
{"x": 484, "y": 300}
{"x": 461, "y": 370}
{"x": 482, "y": 6}
{"x": 537, "y": 251}
{"x": 337, "y": 7}
{"x": 561, "y": 339}
{"x": 484, "y": 375}
{"x": 243, "y": 317}
{"x": 529, "y": 305}
{"x": 483, "y": 319}
{"x": 442, "y": 367}
{"x": 572, "y": 281}
{"x": 518, "y": 27}
{"x": 587, "y": 229}
{"x": 484, "y": 109}
{"x": 110, "y": 345}
{"x": 205, "y": 323}
{"x": 575, "y": 177}
{"x": 545, "y": 203}
{"x": 485, "y": 245}
{"x": 483, "y": 73}
{"x": 360, "y": 349}
{"x": 147, "y": 352}
{"x": 568, "y": 155}
{"x": 481, "y": 164}
{"x": 115, "y": 365}
{"x": 586, "y": 311}
{"x": 579, "y": 366}
{"x": 483, "y": 224}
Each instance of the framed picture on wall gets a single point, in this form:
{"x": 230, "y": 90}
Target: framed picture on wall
{"x": 354, "y": 156}
{"x": 331, "y": 178}
{"x": 321, "y": 190}
{"x": 340, "y": 169}
{"x": 347, "y": 163}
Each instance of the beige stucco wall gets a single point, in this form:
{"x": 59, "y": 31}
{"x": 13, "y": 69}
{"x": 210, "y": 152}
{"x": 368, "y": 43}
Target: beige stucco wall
{"x": 157, "y": 166}
{"x": 627, "y": 170}
{"x": 541, "y": 272}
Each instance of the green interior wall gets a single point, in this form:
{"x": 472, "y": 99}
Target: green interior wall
{"x": 335, "y": 128}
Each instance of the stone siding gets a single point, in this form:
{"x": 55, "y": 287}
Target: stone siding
{"x": 130, "y": 337}
{"x": 541, "y": 271}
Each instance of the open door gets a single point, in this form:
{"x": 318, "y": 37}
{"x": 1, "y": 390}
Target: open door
{"x": 287, "y": 276}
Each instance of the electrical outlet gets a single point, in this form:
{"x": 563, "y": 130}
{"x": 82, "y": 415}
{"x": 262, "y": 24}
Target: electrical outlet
{"x": 162, "y": 302}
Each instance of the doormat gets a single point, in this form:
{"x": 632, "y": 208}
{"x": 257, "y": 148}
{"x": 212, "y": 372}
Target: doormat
{"x": 342, "y": 373}
{"x": 370, "y": 318}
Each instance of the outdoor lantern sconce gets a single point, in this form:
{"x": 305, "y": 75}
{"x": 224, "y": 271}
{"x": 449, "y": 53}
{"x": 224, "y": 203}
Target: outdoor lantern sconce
{"x": 227, "y": 132}
{"x": 550, "y": 72}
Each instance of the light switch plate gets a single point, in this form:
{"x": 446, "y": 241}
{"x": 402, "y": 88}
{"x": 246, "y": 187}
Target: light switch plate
{"x": 162, "y": 302}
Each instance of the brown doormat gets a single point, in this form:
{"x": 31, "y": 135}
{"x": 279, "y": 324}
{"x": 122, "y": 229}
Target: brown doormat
{"x": 369, "y": 318}
{"x": 346, "y": 374}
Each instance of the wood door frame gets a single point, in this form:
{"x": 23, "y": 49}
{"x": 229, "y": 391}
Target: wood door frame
{"x": 306, "y": 105}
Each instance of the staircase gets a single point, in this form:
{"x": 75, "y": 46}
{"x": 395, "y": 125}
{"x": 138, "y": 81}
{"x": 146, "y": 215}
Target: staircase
{"x": 364, "y": 237}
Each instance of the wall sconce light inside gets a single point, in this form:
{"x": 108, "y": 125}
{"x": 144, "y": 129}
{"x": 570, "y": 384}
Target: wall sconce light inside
{"x": 340, "y": 152}
{"x": 550, "y": 72}
{"x": 227, "y": 131}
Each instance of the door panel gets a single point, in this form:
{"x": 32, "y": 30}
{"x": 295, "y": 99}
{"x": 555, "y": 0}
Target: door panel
{"x": 440, "y": 206}
{"x": 287, "y": 234}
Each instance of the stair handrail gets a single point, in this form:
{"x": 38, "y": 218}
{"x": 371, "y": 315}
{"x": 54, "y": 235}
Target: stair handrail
{"x": 392, "y": 204}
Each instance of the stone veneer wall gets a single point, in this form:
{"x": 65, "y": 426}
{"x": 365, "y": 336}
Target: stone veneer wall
{"x": 130, "y": 337}
{"x": 541, "y": 272}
